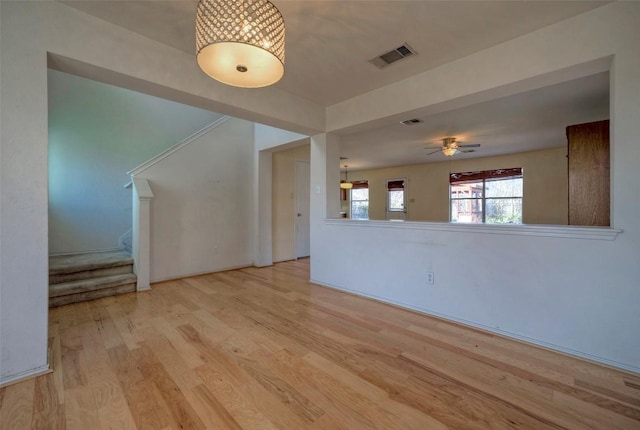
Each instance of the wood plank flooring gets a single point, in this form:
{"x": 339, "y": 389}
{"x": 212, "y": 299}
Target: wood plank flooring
{"x": 265, "y": 349}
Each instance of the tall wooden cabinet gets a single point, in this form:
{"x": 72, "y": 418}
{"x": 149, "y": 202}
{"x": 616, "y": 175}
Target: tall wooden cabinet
{"x": 589, "y": 189}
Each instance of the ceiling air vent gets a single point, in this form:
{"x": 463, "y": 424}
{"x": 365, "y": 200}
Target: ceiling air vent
{"x": 393, "y": 56}
{"x": 412, "y": 121}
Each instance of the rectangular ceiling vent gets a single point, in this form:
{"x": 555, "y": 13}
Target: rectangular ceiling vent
{"x": 412, "y": 121}
{"x": 393, "y": 56}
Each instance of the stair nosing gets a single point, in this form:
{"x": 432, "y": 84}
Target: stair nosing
{"x": 89, "y": 266}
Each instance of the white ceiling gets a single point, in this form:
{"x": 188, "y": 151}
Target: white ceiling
{"x": 329, "y": 43}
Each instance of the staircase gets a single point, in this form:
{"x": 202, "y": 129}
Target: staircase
{"x": 80, "y": 277}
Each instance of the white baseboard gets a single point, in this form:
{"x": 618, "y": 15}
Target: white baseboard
{"x": 146, "y": 287}
{"x": 22, "y": 376}
{"x": 189, "y": 275}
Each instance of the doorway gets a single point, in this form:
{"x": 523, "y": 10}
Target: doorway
{"x": 396, "y": 199}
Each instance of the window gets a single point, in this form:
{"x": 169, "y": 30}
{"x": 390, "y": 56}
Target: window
{"x": 360, "y": 200}
{"x": 490, "y": 196}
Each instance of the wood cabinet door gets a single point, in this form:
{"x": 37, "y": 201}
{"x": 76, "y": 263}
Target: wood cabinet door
{"x": 589, "y": 187}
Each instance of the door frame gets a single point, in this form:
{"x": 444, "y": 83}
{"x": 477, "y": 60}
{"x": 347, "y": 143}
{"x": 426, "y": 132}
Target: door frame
{"x": 296, "y": 202}
{"x": 405, "y": 212}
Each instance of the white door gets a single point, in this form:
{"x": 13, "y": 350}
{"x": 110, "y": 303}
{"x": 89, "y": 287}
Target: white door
{"x": 302, "y": 207}
{"x": 396, "y": 199}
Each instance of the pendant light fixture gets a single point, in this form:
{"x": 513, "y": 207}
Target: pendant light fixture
{"x": 240, "y": 42}
{"x": 346, "y": 185}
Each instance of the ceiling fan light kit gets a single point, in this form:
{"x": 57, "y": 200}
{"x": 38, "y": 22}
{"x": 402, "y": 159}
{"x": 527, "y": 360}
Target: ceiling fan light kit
{"x": 450, "y": 147}
{"x": 449, "y": 152}
{"x": 240, "y": 42}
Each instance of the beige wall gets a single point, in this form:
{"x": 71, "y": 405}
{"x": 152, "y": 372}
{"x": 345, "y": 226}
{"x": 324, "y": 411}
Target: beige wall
{"x": 545, "y": 185}
{"x": 283, "y": 220}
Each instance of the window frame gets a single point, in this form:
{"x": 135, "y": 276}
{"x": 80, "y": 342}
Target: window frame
{"x": 482, "y": 177}
{"x": 359, "y": 185}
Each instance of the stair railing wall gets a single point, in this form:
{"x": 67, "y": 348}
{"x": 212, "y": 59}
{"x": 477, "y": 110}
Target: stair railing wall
{"x": 142, "y": 196}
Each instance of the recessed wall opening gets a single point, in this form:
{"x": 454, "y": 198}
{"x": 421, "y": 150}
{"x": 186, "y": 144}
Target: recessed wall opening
{"x": 525, "y": 130}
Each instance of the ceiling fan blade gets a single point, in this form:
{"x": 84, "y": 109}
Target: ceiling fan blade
{"x": 466, "y": 151}
{"x": 433, "y": 152}
{"x": 471, "y": 145}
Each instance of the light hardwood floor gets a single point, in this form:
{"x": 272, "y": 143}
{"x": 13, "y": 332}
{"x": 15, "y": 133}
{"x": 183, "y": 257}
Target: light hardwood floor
{"x": 265, "y": 349}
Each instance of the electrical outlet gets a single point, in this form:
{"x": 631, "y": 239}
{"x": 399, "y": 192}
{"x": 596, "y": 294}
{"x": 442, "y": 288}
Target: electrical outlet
{"x": 430, "y": 278}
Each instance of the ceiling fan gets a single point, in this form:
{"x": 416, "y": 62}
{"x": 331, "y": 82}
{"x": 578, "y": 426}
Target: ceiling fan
{"x": 450, "y": 147}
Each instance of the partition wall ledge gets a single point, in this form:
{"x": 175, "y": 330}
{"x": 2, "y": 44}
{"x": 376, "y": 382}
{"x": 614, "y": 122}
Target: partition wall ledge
{"x": 559, "y": 231}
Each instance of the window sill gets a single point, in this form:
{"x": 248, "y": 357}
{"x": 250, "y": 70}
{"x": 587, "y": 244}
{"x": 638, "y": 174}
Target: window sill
{"x": 561, "y": 231}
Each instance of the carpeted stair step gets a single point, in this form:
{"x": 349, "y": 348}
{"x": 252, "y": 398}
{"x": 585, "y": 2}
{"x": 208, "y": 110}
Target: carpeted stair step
{"x": 90, "y": 274}
{"x": 88, "y": 289}
{"x": 65, "y": 268}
